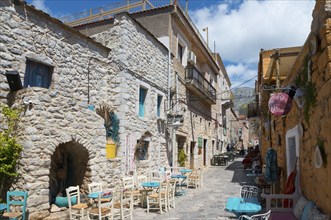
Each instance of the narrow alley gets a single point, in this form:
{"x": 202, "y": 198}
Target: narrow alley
{"x": 219, "y": 182}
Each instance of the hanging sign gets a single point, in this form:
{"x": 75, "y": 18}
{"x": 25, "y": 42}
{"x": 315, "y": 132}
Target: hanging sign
{"x": 199, "y": 142}
{"x": 280, "y": 104}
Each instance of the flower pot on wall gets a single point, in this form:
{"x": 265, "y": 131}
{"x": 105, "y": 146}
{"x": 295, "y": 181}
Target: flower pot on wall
{"x": 110, "y": 150}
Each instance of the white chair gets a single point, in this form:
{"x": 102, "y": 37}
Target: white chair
{"x": 158, "y": 199}
{"x": 155, "y": 176}
{"x": 171, "y": 193}
{"x": 264, "y": 216}
{"x": 139, "y": 190}
{"x": 193, "y": 179}
{"x": 247, "y": 191}
{"x": 130, "y": 187}
{"x": 77, "y": 209}
{"x": 127, "y": 204}
{"x": 96, "y": 187}
{"x": 103, "y": 210}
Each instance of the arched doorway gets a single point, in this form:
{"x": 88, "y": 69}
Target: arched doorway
{"x": 69, "y": 165}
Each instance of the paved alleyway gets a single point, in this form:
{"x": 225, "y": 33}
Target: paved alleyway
{"x": 219, "y": 182}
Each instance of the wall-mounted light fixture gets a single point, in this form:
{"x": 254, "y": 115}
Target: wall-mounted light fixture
{"x": 14, "y": 80}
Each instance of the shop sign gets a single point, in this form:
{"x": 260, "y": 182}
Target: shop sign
{"x": 199, "y": 142}
{"x": 280, "y": 104}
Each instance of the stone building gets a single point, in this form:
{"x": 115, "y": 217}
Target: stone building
{"x": 66, "y": 75}
{"x": 304, "y": 132}
{"x": 193, "y": 85}
{"x": 142, "y": 89}
{"x": 193, "y": 107}
{"x": 224, "y": 103}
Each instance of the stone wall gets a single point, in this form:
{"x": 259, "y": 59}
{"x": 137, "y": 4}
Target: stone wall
{"x": 82, "y": 74}
{"x": 144, "y": 62}
{"x": 314, "y": 182}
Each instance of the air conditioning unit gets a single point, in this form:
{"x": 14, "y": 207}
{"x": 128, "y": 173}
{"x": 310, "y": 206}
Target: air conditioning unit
{"x": 191, "y": 58}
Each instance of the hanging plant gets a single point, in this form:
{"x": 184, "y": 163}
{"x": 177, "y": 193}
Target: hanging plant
{"x": 111, "y": 122}
{"x": 303, "y": 82}
{"x": 182, "y": 157}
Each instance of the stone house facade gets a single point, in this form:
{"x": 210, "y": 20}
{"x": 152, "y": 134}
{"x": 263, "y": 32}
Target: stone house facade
{"x": 193, "y": 86}
{"x": 224, "y": 102}
{"x": 66, "y": 75}
{"x": 304, "y": 133}
{"x": 144, "y": 63}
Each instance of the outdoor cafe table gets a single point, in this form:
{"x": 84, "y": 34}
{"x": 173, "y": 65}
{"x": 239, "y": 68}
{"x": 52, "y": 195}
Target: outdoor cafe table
{"x": 183, "y": 171}
{"x": 147, "y": 186}
{"x": 241, "y": 206}
{"x": 3, "y": 207}
{"x": 182, "y": 178}
{"x": 95, "y": 195}
{"x": 105, "y": 196}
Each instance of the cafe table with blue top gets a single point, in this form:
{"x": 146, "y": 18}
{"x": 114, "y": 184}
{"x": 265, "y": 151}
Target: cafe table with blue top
{"x": 105, "y": 196}
{"x": 3, "y": 207}
{"x": 148, "y": 187}
{"x": 179, "y": 187}
{"x": 241, "y": 206}
{"x": 187, "y": 173}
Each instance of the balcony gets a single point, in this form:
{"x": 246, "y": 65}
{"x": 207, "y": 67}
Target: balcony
{"x": 196, "y": 82}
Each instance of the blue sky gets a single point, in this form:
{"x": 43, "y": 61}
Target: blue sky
{"x": 239, "y": 28}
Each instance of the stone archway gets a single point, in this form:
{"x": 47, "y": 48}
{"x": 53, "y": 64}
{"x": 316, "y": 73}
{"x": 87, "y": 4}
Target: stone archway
{"x": 69, "y": 167}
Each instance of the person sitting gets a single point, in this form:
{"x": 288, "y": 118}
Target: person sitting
{"x": 247, "y": 161}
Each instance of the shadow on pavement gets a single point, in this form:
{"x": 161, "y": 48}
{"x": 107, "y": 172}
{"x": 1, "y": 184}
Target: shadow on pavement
{"x": 239, "y": 174}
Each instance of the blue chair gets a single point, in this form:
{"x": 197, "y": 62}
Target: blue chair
{"x": 16, "y": 198}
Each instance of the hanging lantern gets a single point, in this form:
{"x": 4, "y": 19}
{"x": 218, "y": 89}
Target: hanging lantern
{"x": 280, "y": 104}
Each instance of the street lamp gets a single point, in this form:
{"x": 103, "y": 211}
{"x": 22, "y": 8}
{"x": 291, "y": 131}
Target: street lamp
{"x": 206, "y": 30}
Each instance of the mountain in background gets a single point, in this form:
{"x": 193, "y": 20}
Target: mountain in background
{"x": 241, "y": 97}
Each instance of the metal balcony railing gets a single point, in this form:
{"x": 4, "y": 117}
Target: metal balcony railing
{"x": 194, "y": 78}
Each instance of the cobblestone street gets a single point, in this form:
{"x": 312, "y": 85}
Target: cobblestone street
{"x": 219, "y": 182}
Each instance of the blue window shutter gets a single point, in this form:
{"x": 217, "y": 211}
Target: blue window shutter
{"x": 142, "y": 96}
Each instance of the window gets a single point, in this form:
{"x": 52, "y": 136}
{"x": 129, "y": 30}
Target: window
{"x": 180, "y": 53}
{"x": 159, "y": 102}
{"x": 37, "y": 75}
{"x": 142, "y": 101}
{"x": 142, "y": 150}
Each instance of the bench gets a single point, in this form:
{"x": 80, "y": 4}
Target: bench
{"x": 292, "y": 206}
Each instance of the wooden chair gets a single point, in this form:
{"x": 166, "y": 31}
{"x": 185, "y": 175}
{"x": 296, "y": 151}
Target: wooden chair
{"x": 171, "y": 193}
{"x": 103, "y": 209}
{"x": 16, "y": 198}
{"x": 264, "y": 216}
{"x": 247, "y": 191}
{"x": 155, "y": 176}
{"x": 158, "y": 199}
{"x": 96, "y": 187}
{"x": 130, "y": 187}
{"x": 76, "y": 208}
{"x": 138, "y": 193}
{"x": 195, "y": 179}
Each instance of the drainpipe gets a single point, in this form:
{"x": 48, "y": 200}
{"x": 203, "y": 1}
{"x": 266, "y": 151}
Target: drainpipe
{"x": 176, "y": 92}
{"x": 169, "y": 62}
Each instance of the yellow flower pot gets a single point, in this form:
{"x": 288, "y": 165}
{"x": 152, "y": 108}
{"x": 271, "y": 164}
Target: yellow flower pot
{"x": 110, "y": 151}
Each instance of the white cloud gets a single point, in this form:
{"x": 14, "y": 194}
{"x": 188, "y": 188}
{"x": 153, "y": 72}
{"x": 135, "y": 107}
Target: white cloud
{"x": 40, "y": 4}
{"x": 240, "y": 73}
{"x": 241, "y": 32}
